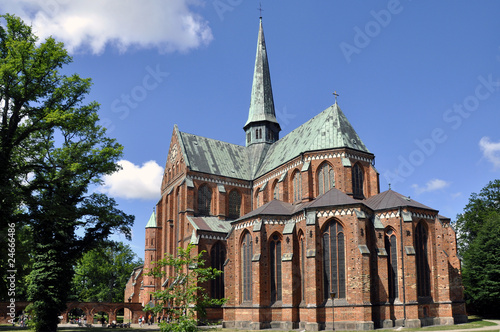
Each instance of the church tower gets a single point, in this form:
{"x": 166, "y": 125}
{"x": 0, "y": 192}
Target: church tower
{"x": 261, "y": 126}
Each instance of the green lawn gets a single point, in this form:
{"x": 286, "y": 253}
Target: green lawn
{"x": 472, "y": 324}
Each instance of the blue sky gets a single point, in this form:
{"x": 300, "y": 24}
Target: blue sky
{"x": 418, "y": 80}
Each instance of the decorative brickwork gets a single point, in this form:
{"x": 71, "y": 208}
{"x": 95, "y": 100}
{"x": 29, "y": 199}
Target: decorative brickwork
{"x": 308, "y": 239}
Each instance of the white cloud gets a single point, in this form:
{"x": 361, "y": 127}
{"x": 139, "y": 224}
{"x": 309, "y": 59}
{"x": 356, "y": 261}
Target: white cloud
{"x": 134, "y": 182}
{"x": 168, "y": 25}
{"x": 432, "y": 185}
{"x": 491, "y": 151}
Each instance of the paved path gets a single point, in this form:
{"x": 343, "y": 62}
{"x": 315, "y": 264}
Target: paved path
{"x": 485, "y": 328}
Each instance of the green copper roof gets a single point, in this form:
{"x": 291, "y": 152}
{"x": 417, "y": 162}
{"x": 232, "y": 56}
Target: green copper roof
{"x": 152, "y": 221}
{"x": 261, "y": 103}
{"x": 215, "y": 157}
{"x": 328, "y": 130}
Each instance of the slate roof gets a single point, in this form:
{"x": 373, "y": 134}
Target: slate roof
{"x": 211, "y": 156}
{"x": 333, "y": 197}
{"x": 390, "y": 199}
{"x": 329, "y": 129}
{"x": 273, "y": 208}
{"x": 152, "y": 221}
{"x": 387, "y": 200}
{"x": 210, "y": 224}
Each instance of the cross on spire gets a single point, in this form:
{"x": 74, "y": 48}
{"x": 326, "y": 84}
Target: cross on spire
{"x": 260, "y": 9}
{"x": 336, "y": 95}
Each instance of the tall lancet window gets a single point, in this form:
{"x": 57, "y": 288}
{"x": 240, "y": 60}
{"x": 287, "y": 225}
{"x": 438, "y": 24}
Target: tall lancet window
{"x": 217, "y": 257}
{"x": 357, "y": 181}
{"x": 334, "y": 278}
{"x": 275, "y": 264}
{"x": 326, "y": 178}
{"x": 246, "y": 268}
{"x": 392, "y": 263}
{"x": 423, "y": 271}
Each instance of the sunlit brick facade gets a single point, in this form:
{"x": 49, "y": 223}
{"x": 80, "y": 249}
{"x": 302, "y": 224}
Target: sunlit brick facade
{"x": 300, "y": 228}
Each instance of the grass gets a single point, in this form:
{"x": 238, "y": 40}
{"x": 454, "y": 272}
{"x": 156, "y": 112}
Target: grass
{"x": 473, "y": 323}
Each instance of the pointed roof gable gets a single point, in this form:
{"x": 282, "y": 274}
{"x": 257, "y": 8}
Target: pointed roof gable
{"x": 328, "y": 130}
{"x": 262, "y": 102}
{"x": 332, "y": 197}
{"x": 273, "y": 208}
{"x": 152, "y": 221}
{"x": 390, "y": 199}
{"x": 211, "y": 156}
{"x": 210, "y": 224}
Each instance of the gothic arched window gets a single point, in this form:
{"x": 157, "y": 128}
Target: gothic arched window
{"x": 246, "y": 268}
{"x": 357, "y": 181}
{"x": 423, "y": 271}
{"x": 276, "y": 191}
{"x": 392, "y": 263}
{"x": 217, "y": 257}
{"x": 204, "y": 200}
{"x": 326, "y": 178}
{"x": 234, "y": 204}
{"x": 297, "y": 187}
{"x": 334, "y": 277}
{"x": 275, "y": 265}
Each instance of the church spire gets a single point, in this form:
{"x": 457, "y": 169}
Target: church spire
{"x": 261, "y": 126}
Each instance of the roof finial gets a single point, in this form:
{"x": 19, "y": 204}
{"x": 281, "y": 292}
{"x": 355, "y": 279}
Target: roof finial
{"x": 260, "y": 9}
{"x": 336, "y": 95}
{"x": 389, "y": 186}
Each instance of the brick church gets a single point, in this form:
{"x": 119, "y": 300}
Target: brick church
{"x": 300, "y": 228}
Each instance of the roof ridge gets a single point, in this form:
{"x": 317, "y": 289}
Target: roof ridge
{"x": 213, "y": 139}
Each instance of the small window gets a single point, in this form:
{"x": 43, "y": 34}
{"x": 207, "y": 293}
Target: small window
{"x": 204, "y": 200}
{"x": 326, "y": 178}
{"x": 276, "y": 191}
{"x": 297, "y": 187}
{"x": 234, "y": 204}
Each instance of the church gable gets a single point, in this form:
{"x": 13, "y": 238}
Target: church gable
{"x": 328, "y": 130}
{"x": 176, "y": 160}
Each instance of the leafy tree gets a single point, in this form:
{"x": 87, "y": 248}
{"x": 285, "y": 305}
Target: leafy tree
{"x": 481, "y": 269}
{"x": 52, "y": 151}
{"x": 185, "y": 298}
{"x": 478, "y": 232}
{"x": 471, "y": 221}
{"x": 102, "y": 273}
